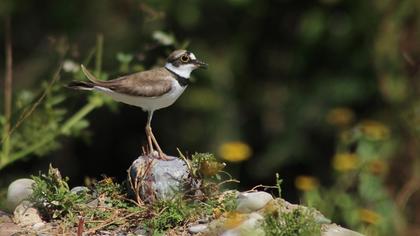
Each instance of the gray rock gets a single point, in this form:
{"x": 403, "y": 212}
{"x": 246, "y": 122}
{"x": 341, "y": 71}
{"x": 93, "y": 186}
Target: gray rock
{"x": 93, "y": 203}
{"x": 252, "y": 201}
{"x": 156, "y": 179}
{"x": 25, "y": 214}
{"x": 18, "y": 191}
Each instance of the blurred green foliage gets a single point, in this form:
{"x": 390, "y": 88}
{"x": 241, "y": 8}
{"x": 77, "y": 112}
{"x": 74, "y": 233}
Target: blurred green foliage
{"x": 41, "y": 121}
{"x": 358, "y": 196}
{"x": 294, "y": 85}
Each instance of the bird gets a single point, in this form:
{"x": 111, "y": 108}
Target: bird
{"x": 150, "y": 90}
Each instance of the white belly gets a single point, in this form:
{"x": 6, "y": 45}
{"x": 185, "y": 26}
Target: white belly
{"x": 146, "y": 103}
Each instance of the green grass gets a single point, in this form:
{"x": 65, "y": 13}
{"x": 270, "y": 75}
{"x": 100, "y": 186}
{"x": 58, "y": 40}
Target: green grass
{"x": 298, "y": 222}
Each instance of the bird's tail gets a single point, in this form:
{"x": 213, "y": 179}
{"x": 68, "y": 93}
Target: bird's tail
{"x": 82, "y": 85}
{"x": 89, "y": 75}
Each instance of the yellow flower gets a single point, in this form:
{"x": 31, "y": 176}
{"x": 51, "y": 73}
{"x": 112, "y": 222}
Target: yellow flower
{"x": 211, "y": 168}
{"x": 369, "y": 216}
{"x": 234, "y": 219}
{"x": 345, "y": 162}
{"x": 378, "y": 167}
{"x": 235, "y": 151}
{"x": 346, "y": 136}
{"x": 306, "y": 183}
{"x": 340, "y": 116}
{"x": 217, "y": 213}
{"x": 374, "y": 130}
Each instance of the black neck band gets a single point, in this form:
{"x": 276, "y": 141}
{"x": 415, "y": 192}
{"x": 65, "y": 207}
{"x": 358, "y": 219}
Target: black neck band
{"x": 181, "y": 80}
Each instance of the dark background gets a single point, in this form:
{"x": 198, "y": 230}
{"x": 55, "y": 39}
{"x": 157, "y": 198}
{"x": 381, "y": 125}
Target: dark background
{"x": 277, "y": 69}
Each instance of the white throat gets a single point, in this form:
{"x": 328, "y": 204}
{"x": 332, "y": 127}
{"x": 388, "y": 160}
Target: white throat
{"x": 182, "y": 70}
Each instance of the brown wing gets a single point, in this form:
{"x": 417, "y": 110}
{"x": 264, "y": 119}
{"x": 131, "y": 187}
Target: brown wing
{"x": 151, "y": 83}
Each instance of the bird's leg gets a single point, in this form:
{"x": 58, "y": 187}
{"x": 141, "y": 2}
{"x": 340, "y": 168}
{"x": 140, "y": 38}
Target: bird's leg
{"x": 149, "y": 138}
{"x": 149, "y": 131}
{"x": 161, "y": 154}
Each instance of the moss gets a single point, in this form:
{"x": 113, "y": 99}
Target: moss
{"x": 297, "y": 222}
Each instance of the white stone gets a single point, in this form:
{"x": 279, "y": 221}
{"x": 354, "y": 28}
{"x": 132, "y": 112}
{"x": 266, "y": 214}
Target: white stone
{"x": 198, "y": 228}
{"x": 38, "y": 226}
{"x": 18, "y": 191}
{"x": 79, "y": 190}
{"x": 335, "y": 230}
{"x": 251, "y": 226}
{"x": 252, "y": 201}
{"x": 25, "y": 214}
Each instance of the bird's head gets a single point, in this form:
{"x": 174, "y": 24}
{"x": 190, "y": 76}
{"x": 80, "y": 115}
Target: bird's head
{"x": 183, "y": 62}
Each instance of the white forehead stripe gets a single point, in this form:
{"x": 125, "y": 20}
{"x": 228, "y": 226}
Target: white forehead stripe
{"x": 192, "y": 56}
{"x": 181, "y": 70}
{"x": 179, "y": 54}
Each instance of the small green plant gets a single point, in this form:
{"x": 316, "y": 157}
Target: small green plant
{"x": 103, "y": 206}
{"x": 52, "y": 196}
{"x": 298, "y": 222}
{"x": 168, "y": 215}
{"x": 278, "y": 184}
{"x": 205, "y": 165}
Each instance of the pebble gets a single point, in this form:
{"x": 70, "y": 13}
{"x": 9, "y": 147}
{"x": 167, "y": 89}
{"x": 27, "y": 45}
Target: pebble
{"x": 252, "y": 201}
{"x": 38, "y": 226}
{"x": 198, "y": 228}
{"x": 25, "y": 214}
{"x": 335, "y": 230}
{"x": 250, "y": 226}
{"x": 18, "y": 191}
{"x": 140, "y": 231}
{"x": 79, "y": 190}
{"x": 93, "y": 203}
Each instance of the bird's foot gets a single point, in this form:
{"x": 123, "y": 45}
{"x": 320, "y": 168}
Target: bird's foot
{"x": 159, "y": 155}
{"x": 164, "y": 157}
{"x": 154, "y": 154}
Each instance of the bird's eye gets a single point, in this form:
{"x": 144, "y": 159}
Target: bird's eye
{"x": 185, "y": 58}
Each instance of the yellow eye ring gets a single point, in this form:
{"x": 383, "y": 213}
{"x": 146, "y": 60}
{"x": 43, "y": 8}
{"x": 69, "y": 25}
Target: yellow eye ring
{"x": 185, "y": 58}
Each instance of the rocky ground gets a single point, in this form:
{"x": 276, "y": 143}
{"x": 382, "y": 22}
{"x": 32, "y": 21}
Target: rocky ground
{"x": 191, "y": 204}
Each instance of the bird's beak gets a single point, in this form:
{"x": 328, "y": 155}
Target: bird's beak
{"x": 200, "y": 64}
